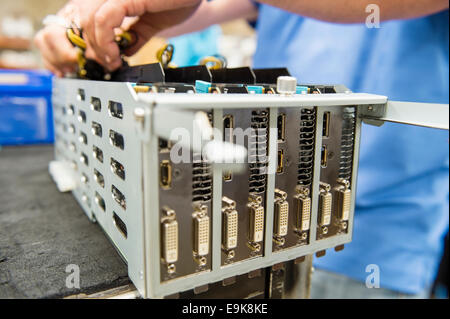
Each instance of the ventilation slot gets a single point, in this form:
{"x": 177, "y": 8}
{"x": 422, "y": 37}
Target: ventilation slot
{"x": 84, "y": 179}
{"x": 82, "y": 117}
{"x": 120, "y": 225}
{"x": 71, "y": 110}
{"x": 115, "y": 109}
{"x": 96, "y": 104}
{"x": 116, "y": 139}
{"x": 117, "y": 168}
{"x": 84, "y": 159}
{"x": 99, "y": 178}
{"x": 81, "y": 95}
{"x": 306, "y": 147}
{"x": 97, "y": 129}
{"x": 98, "y": 153}
{"x": 83, "y": 138}
{"x": 347, "y": 143}
{"x": 118, "y": 197}
{"x": 201, "y": 180}
{"x": 100, "y": 201}
{"x": 258, "y": 152}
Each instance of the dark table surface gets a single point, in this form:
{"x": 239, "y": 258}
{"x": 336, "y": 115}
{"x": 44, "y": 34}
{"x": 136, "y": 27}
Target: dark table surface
{"x": 42, "y": 231}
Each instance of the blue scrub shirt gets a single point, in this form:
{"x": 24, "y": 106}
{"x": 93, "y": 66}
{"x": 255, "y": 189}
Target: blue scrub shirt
{"x": 402, "y": 211}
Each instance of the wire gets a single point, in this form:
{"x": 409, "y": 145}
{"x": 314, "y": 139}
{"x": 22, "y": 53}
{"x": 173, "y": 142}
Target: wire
{"x": 75, "y": 39}
{"x": 75, "y": 36}
{"x": 214, "y": 62}
{"x": 165, "y": 54}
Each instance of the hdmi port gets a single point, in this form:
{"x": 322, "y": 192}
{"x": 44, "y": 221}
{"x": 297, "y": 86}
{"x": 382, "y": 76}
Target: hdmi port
{"x": 165, "y": 172}
{"x": 280, "y": 167}
{"x": 324, "y": 157}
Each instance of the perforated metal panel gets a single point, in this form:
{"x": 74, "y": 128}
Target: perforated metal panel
{"x": 122, "y": 219}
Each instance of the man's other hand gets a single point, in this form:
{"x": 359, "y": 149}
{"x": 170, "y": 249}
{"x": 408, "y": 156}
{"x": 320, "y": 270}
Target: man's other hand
{"x": 101, "y": 19}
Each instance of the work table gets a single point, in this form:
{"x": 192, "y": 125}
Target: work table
{"x": 42, "y": 231}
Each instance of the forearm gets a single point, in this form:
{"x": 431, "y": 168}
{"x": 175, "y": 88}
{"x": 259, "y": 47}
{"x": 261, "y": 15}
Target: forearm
{"x": 214, "y": 12}
{"x": 354, "y": 11}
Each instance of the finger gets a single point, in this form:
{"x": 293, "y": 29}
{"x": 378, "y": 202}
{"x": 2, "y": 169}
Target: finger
{"x": 87, "y": 23}
{"x": 39, "y": 42}
{"x": 57, "y": 50}
{"x": 55, "y": 47}
{"x": 110, "y": 16}
{"x": 128, "y": 22}
{"x": 64, "y": 52}
{"x": 49, "y": 57}
{"x": 144, "y": 32}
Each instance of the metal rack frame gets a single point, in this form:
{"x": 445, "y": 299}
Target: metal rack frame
{"x": 141, "y": 126}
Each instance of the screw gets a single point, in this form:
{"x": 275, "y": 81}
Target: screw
{"x": 286, "y": 85}
{"x": 171, "y": 268}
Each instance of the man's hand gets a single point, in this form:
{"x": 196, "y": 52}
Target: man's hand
{"x": 58, "y": 55}
{"x": 100, "y": 20}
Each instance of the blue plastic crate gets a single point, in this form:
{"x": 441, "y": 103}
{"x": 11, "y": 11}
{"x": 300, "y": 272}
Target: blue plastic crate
{"x": 25, "y": 107}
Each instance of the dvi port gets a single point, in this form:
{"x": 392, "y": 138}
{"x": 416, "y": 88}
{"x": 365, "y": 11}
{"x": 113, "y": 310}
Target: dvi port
{"x": 325, "y": 200}
{"x": 169, "y": 231}
{"x": 201, "y": 231}
{"x": 343, "y": 197}
{"x": 280, "y": 226}
{"x": 256, "y": 213}
{"x": 230, "y": 224}
{"x": 303, "y": 212}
